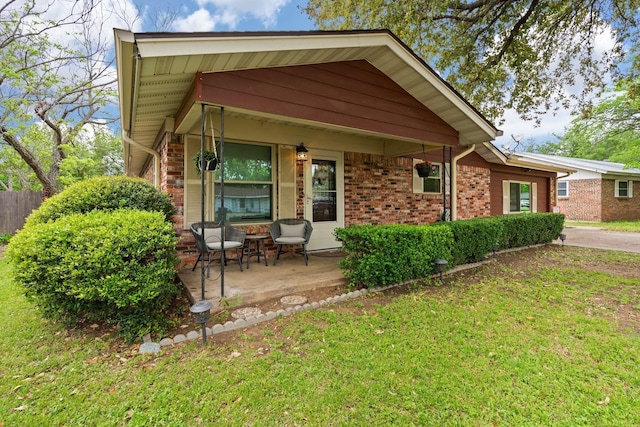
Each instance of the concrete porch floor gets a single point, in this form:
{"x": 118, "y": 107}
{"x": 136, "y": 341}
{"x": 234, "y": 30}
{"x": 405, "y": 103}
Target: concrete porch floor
{"x": 260, "y": 282}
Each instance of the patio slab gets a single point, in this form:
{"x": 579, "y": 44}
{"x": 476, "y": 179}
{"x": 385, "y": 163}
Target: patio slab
{"x": 260, "y": 283}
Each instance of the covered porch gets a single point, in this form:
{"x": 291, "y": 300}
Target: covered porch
{"x": 260, "y": 283}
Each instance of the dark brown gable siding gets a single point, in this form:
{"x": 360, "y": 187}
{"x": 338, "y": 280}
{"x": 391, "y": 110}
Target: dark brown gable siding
{"x": 353, "y": 94}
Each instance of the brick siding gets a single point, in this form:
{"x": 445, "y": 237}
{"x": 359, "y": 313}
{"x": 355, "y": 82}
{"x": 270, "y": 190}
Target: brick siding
{"x": 379, "y": 190}
{"x": 583, "y": 202}
{"x": 619, "y": 208}
{"x": 474, "y": 193}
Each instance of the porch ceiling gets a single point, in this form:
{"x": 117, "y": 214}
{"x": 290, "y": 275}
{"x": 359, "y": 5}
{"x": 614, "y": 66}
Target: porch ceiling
{"x": 156, "y": 70}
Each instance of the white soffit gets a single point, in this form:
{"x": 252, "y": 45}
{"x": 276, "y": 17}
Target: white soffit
{"x": 167, "y": 63}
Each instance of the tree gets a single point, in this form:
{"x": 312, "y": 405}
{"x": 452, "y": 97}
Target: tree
{"x": 55, "y": 74}
{"x": 610, "y": 131}
{"x": 526, "y": 55}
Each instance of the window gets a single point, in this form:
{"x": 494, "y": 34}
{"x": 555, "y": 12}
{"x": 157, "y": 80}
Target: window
{"x": 430, "y": 184}
{"x": 248, "y": 184}
{"x": 563, "y": 188}
{"x": 624, "y": 188}
{"x": 519, "y": 197}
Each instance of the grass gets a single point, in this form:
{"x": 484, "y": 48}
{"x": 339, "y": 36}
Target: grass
{"x": 540, "y": 342}
{"x": 631, "y": 226}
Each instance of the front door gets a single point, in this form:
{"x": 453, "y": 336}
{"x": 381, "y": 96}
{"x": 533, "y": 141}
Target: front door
{"x": 324, "y": 197}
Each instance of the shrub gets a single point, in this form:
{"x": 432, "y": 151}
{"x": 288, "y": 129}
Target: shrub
{"x": 103, "y": 193}
{"x": 112, "y": 266}
{"x": 474, "y": 238}
{"x": 4, "y": 238}
{"x": 530, "y": 229}
{"x": 387, "y": 254}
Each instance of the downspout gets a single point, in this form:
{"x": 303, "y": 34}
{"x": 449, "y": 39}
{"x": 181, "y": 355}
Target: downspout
{"x": 156, "y": 158}
{"x": 454, "y": 173}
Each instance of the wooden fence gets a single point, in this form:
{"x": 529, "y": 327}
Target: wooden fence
{"x": 15, "y": 206}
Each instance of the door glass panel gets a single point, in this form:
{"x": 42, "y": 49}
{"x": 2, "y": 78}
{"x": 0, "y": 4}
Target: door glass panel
{"x": 324, "y": 190}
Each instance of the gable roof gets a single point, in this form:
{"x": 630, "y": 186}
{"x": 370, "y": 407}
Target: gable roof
{"x": 597, "y": 166}
{"x": 155, "y": 70}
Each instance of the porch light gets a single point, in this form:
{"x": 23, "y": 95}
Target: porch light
{"x": 563, "y": 237}
{"x": 202, "y": 312}
{"x": 441, "y": 265}
{"x": 302, "y": 153}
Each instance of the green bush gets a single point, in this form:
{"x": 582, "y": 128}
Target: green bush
{"x": 114, "y": 266}
{"x": 103, "y": 193}
{"x": 530, "y": 229}
{"x": 4, "y": 238}
{"x": 387, "y": 254}
{"x": 474, "y": 238}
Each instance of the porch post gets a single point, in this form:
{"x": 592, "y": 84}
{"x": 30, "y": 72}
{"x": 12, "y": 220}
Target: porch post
{"x": 221, "y": 197}
{"x": 202, "y": 191}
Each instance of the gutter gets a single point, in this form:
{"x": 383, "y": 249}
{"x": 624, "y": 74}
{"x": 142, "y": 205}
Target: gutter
{"x": 156, "y": 159}
{"x": 454, "y": 168}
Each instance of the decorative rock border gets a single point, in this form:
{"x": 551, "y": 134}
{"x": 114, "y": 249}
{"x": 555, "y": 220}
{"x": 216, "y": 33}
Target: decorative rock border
{"x": 262, "y": 317}
{"x": 270, "y": 315}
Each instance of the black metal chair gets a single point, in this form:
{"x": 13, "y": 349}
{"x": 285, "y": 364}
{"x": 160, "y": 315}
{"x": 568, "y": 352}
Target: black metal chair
{"x": 208, "y": 237}
{"x": 291, "y": 231}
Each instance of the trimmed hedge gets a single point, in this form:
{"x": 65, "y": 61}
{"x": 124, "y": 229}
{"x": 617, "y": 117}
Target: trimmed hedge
{"x": 113, "y": 266}
{"x": 389, "y": 254}
{"x": 473, "y": 238}
{"x": 103, "y": 193}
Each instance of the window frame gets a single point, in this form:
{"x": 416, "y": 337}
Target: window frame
{"x": 629, "y": 189}
{"x": 506, "y": 197}
{"x": 272, "y": 183}
{"x": 564, "y": 196}
{"x": 418, "y": 181}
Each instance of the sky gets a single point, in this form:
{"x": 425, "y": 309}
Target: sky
{"x": 288, "y": 15}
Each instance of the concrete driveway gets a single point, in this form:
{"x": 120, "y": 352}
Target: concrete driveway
{"x": 594, "y": 237}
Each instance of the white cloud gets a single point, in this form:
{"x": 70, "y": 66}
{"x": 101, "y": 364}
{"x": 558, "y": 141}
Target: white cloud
{"x": 200, "y": 20}
{"x": 229, "y": 13}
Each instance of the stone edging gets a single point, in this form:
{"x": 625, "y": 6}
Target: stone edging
{"x": 151, "y": 347}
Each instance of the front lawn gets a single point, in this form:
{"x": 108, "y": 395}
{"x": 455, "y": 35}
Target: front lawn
{"x": 631, "y": 226}
{"x": 547, "y": 336}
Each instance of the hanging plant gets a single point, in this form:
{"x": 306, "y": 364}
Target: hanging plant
{"x": 210, "y": 161}
{"x": 424, "y": 169}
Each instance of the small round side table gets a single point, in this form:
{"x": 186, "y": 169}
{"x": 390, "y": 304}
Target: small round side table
{"x": 259, "y": 248}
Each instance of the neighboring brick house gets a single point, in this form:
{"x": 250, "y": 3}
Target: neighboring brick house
{"x": 596, "y": 191}
{"x": 363, "y": 104}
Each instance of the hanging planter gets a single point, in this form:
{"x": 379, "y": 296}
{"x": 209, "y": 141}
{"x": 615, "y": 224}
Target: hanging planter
{"x": 210, "y": 161}
{"x": 424, "y": 169}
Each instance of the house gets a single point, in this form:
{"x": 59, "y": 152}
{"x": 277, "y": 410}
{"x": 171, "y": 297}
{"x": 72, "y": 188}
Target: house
{"x": 321, "y": 125}
{"x": 596, "y": 191}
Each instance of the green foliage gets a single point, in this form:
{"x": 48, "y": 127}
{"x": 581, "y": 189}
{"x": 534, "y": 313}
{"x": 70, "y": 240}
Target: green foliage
{"x": 610, "y": 131}
{"x": 474, "y": 238}
{"x": 387, "y": 254}
{"x": 103, "y": 193}
{"x": 501, "y": 54}
{"x": 390, "y": 254}
{"x": 116, "y": 266}
{"x": 530, "y": 229}
{"x": 4, "y": 238}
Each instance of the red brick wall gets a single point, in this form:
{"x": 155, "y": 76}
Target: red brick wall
{"x": 584, "y": 201}
{"x": 474, "y": 194}
{"x": 379, "y": 190}
{"x": 619, "y": 208}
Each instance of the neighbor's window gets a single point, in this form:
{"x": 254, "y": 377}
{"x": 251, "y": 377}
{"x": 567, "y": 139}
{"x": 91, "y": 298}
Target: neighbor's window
{"x": 248, "y": 183}
{"x": 624, "y": 188}
{"x": 563, "y": 188}
{"x": 431, "y": 183}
